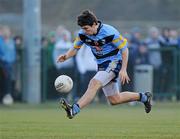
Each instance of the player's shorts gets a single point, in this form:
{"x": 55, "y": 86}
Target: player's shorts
{"x": 107, "y": 75}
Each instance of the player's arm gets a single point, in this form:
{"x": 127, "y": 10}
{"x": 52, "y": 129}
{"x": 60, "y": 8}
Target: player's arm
{"x": 123, "y": 72}
{"x": 125, "y": 55}
{"x": 71, "y": 52}
{"x": 121, "y": 43}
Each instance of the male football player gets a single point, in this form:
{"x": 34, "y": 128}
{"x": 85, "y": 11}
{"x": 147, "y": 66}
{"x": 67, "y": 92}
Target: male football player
{"x": 110, "y": 50}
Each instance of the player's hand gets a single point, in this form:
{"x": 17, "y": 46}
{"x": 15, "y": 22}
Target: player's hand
{"x": 61, "y": 58}
{"x": 124, "y": 76}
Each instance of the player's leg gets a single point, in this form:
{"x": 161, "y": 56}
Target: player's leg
{"x": 100, "y": 79}
{"x": 132, "y": 96}
{"x": 123, "y": 97}
{"x": 111, "y": 91}
{"x": 93, "y": 87}
{"x": 88, "y": 96}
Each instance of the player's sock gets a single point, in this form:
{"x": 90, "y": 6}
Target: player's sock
{"x": 143, "y": 97}
{"x": 75, "y": 109}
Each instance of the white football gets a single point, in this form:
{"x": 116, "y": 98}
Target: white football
{"x": 63, "y": 84}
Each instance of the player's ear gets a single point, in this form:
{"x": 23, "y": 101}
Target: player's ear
{"x": 94, "y": 24}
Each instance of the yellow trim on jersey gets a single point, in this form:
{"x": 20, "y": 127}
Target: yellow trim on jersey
{"x": 77, "y": 39}
{"x": 121, "y": 37}
{"x": 118, "y": 39}
{"x": 122, "y": 44}
{"x": 78, "y": 47}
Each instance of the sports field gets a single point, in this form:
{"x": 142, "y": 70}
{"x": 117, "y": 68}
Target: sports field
{"x": 47, "y": 121}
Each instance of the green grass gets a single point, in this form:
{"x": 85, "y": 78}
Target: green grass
{"x": 46, "y": 121}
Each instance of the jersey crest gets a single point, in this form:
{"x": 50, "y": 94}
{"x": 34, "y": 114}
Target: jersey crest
{"x": 97, "y": 44}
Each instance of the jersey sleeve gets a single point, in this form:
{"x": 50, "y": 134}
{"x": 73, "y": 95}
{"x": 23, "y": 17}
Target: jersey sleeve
{"x": 77, "y": 42}
{"x": 120, "y": 42}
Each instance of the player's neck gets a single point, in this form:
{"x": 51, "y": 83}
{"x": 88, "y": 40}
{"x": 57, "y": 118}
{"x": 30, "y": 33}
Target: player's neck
{"x": 96, "y": 28}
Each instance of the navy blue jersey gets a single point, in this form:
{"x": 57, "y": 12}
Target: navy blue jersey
{"x": 106, "y": 45}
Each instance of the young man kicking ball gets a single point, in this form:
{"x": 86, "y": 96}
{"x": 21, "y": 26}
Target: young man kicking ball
{"x": 110, "y": 50}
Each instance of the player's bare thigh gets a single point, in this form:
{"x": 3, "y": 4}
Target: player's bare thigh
{"x": 104, "y": 77}
{"x": 109, "y": 87}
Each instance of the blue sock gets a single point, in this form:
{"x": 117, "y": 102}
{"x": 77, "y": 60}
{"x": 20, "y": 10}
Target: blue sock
{"x": 143, "y": 97}
{"x": 76, "y": 109}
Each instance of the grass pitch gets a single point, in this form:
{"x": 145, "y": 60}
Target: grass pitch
{"x": 47, "y": 121}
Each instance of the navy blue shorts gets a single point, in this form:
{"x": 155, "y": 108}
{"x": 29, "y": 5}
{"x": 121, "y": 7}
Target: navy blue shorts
{"x": 113, "y": 66}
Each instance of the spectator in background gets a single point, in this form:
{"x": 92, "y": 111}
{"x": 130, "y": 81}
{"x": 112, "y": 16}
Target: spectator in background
{"x": 18, "y": 67}
{"x": 51, "y": 40}
{"x": 136, "y": 37}
{"x": 164, "y": 37}
{"x": 179, "y": 40}
{"x": 173, "y": 37}
{"x": 142, "y": 54}
{"x": 133, "y": 44}
{"x": 168, "y": 64}
{"x": 153, "y": 43}
{"x": 7, "y": 58}
{"x": 1, "y": 64}
{"x": 18, "y": 42}
{"x": 62, "y": 44}
{"x": 60, "y": 31}
{"x": 166, "y": 56}
{"x": 48, "y": 64}
{"x": 44, "y": 41}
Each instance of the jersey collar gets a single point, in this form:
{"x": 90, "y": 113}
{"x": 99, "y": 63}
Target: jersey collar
{"x": 99, "y": 27}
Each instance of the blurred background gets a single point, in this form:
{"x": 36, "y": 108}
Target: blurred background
{"x": 33, "y": 33}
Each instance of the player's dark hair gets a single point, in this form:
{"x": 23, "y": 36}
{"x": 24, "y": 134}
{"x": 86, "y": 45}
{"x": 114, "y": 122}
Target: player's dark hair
{"x": 87, "y": 18}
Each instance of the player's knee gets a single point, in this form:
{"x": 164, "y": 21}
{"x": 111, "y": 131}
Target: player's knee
{"x": 94, "y": 84}
{"x": 113, "y": 100}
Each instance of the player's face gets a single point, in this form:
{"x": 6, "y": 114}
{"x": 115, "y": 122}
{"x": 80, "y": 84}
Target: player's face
{"x": 89, "y": 30}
